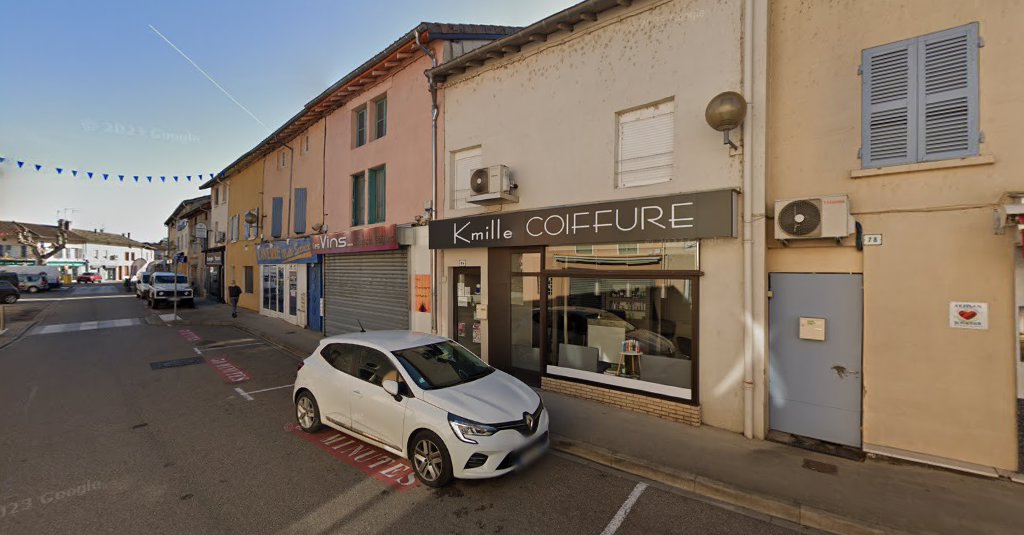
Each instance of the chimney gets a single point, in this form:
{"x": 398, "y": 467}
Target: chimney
{"x": 129, "y": 235}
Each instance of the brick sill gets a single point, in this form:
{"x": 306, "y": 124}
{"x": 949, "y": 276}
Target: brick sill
{"x": 984, "y": 159}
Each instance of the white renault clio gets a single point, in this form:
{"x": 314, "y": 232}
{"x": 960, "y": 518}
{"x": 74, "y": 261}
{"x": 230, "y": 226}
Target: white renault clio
{"x": 423, "y": 397}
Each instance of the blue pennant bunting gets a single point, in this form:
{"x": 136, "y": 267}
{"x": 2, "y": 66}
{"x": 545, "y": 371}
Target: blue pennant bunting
{"x": 211, "y": 175}
{"x": 38, "y": 167}
{"x": 136, "y": 177}
{"x": 60, "y": 170}
{"x": 20, "y": 164}
{"x": 105, "y": 175}
{"x": 120, "y": 177}
{"x": 149, "y": 179}
{"x": 189, "y": 177}
{"x": 175, "y": 178}
{"x": 2, "y": 159}
{"x": 74, "y": 172}
{"x": 90, "y": 174}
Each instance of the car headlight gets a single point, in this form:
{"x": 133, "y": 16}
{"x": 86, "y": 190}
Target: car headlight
{"x": 188, "y": 292}
{"x": 464, "y": 429}
{"x": 161, "y": 294}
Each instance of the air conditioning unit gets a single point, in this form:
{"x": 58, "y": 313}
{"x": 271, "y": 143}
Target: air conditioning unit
{"x": 814, "y": 218}
{"x": 221, "y": 236}
{"x": 492, "y": 185}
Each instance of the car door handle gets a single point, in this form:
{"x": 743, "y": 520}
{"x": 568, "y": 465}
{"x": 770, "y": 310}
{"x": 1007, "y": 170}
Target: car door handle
{"x": 356, "y": 392}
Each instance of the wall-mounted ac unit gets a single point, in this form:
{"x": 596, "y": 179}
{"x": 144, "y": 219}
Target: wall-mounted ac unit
{"x": 221, "y": 236}
{"x": 492, "y": 185}
{"x": 814, "y": 218}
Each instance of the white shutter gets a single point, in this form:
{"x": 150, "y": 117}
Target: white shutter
{"x": 463, "y": 164}
{"x": 948, "y": 104}
{"x": 646, "y": 145}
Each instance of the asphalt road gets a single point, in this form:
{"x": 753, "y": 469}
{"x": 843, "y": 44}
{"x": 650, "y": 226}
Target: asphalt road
{"x": 95, "y": 440}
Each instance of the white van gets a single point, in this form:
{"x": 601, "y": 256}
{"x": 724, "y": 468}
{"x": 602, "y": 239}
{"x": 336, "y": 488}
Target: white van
{"x": 164, "y": 289}
{"x": 52, "y": 273}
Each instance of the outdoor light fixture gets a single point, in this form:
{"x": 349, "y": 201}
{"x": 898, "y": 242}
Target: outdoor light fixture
{"x": 726, "y": 112}
{"x": 250, "y": 218}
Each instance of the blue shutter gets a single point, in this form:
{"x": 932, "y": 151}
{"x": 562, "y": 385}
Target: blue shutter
{"x": 947, "y": 117}
{"x": 382, "y": 191}
{"x": 358, "y": 187}
{"x": 371, "y": 204}
{"x": 275, "y": 216}
{"x": 300, "y": 210}
{"x": 888, "y": 104}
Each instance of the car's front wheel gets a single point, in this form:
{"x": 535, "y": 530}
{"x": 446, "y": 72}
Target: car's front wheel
{"x": 33, "y": 289}
{"x": 307, "y": 412}
{"x": 10, "y": 299}
{"x": 430, "y": 460}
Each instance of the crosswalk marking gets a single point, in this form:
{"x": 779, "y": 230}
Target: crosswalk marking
{"x": 85, "y": 326}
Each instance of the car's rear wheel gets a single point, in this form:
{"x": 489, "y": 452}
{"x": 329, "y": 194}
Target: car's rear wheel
{"x": 307, "y": 413}
{"x": 430, "y": 460}
{"x": 33, "y": 289}
{"x": 10, "y": 299}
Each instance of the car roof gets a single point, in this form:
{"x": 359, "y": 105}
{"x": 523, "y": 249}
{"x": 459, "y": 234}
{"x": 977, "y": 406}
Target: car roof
{"x": 171, "y": 273}
{"x": 389, "y": 340}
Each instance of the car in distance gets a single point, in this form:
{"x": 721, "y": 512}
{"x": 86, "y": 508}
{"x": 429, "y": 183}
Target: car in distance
{"x": 32, "y": 283}
{"x": 86, "y": 278}
{"x": 425, "y": 398}
{"x": 9, "y": 293}
{"x": 164, "y": 290}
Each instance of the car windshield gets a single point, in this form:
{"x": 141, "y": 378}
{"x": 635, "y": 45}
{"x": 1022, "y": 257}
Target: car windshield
{"x": 169, "y": 279}
{"x": 441, "y": 365}
{"x": 145, "y": 277}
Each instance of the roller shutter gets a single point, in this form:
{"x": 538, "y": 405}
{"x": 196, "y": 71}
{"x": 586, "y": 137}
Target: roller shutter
{"x": 369, "y": 287}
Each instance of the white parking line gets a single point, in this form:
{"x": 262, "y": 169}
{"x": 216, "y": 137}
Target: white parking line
{"x": 233, "y": 347}
{"x": 198, "y": 352}
{"x": 620, "y": 516}
{"x": 245, "y": 395}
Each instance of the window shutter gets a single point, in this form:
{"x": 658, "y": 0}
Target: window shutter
{"x": 646, "y": 144}
{"x": 275, "y": 216}
{"x": 888, "y": 107}
{"x": 300, "y": 210}
{"x": 357, "y": 200}
{"x": 371, "y": 203}
{"x": 948, "y": 105}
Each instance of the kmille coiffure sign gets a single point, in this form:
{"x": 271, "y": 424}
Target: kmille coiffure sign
{"x": 709, "y": 214}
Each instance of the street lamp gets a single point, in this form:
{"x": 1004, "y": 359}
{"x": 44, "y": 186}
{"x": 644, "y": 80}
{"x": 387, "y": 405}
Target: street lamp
{"x": 725, "y": 112}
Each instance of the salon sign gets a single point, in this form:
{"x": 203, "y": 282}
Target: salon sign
{"x": 709, "y": 214}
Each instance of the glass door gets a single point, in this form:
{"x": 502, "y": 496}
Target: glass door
{"x": 525, "y": 313}
{"x": 467, "y": 329}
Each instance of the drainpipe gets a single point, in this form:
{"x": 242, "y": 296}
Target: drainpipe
{"x": 748, "y": 228}
{"x": 433, "y": 175}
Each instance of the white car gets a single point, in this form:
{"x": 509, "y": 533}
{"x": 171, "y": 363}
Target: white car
{"x": 423, "y": 397}
{"x": 164, "y": 289}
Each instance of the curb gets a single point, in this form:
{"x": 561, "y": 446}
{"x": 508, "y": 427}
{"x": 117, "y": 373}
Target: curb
{"x": 791, "y": 511}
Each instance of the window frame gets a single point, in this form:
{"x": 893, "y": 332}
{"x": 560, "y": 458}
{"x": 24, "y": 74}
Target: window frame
{"x": 360, "y": 127}
{"x": 380, "y": 120}
{"x": 376, "y": 195}
{"x": 359, "y": 199}
{"x": 632, "y": 116}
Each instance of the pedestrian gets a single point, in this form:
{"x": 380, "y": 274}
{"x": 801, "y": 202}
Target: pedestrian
{"x": 234, "y": 292}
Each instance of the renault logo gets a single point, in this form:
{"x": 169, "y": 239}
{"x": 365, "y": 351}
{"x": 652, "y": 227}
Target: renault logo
{"x": 529, "y": 420}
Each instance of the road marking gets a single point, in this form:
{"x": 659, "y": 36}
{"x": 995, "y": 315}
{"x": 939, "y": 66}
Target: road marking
{"x": 169, "y": 317}
{"x": 233, "y": 341}
{"x": 244, "y": 394}
{"x": 84, "y": 326}
{"x": 376, "y": 463}
{"x": 187, "y": 334}
{"x": 196, "y": 349}
{"x": 620, "y": 516}
{"x": 31, "y": 396}
{"x": 228, "y": 371}
{"x": 269, "y": 389}
{"x": 233, "y": 347}
{"x": 34, "y": 299}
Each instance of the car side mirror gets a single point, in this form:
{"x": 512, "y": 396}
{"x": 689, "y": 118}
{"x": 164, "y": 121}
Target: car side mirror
{"x": 391, "y": 387}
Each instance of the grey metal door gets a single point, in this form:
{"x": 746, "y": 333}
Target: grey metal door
{"x": 815, "y": 337}
{"x": 371, "y": 288}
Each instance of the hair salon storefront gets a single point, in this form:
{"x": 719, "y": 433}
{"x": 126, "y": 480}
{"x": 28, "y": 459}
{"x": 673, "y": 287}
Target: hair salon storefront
{"x": 595, "y": 300}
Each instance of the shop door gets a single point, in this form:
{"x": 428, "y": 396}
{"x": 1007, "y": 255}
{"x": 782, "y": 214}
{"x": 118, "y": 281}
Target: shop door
{"x": 315, "y": 278}
{"x": 467, "y": 329}
{"x": 815, "y": 337}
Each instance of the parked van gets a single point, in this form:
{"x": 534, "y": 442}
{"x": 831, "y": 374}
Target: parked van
{"x": 52, "y": 273}
{"x": 163, "y": 288}
{"x": 32, "y": 283}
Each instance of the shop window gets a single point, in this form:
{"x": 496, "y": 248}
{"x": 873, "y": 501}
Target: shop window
{"x": 358, "y": 199}
{"x": 646, "y": 141}
{"x": 661, "y": 256}
{"x": 919, "y": 99}
{"x": 463, "y": 164}
{"x": 377, "y": 189}
{"x": 629, "y": 332}
{"x": 360, "y": 126}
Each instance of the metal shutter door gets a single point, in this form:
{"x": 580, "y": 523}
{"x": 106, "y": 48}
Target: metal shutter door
{"x": 370, "y": 287}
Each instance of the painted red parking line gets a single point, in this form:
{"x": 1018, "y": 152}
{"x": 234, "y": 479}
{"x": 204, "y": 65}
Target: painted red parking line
{"x": 393, "y": 471}
{"x": 227, "y": 370}
{"x": 187, "y": 334}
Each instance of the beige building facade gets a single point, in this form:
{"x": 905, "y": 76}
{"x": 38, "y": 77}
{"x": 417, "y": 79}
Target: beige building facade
{"x": 600, "y": 252}
{"x": 927, "y": 92}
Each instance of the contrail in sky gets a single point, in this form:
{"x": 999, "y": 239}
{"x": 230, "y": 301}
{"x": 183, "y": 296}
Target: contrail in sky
{"x": 208, "y": 77}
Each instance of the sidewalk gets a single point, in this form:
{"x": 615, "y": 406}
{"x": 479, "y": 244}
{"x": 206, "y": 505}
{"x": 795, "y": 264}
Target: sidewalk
{"x": 874, "y": 496}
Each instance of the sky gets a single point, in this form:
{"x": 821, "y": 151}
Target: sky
{"x": 92, "y": 86}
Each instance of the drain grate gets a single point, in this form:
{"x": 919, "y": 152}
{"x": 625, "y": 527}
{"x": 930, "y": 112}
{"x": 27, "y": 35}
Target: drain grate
{"x": 176, "y": 363}
{"x": 818, "y": 466}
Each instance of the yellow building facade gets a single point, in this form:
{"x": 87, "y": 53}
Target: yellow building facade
{"x": 240, "y": 264}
